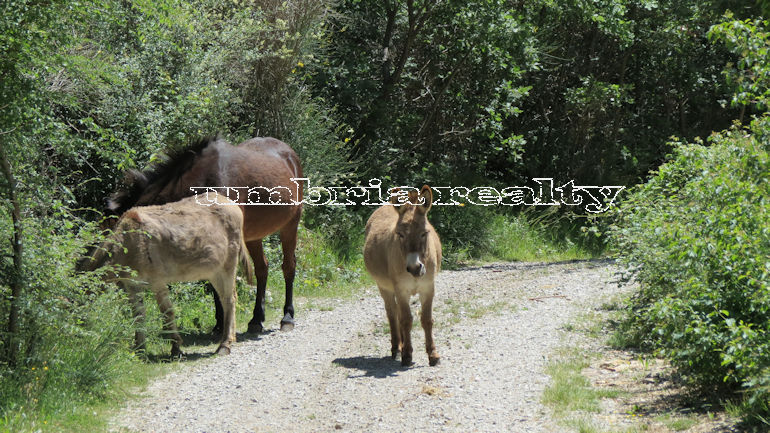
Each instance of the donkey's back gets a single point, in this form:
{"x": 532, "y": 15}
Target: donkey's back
{"x": 180, "y": 241}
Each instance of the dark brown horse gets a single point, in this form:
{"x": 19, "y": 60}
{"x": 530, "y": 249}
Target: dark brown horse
{"x": 258, "y": 162}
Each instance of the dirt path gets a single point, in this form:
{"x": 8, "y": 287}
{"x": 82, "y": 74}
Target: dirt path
{"x": 496, "y": 327}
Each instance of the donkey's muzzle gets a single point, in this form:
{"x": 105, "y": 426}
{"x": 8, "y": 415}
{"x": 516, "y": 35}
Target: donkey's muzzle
{"x": 417, "y": 270}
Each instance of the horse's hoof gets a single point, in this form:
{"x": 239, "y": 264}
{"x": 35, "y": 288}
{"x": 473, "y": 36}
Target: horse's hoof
{"x": 216, "y": 331}
{"x": 254, "y": 328}
{"x": 177, "y": 355}
{"x": 433, "y": 360}
{"x": 223, "y": 350}
{"x": 287, "y": 324}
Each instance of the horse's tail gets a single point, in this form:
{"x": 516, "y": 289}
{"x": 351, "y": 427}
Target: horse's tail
{"x": 248, "y": 267}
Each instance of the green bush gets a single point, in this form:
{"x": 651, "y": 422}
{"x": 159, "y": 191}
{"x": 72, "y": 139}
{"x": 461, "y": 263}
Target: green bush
{"x": 696, "y": 237}
{"x": 74, "y": 336}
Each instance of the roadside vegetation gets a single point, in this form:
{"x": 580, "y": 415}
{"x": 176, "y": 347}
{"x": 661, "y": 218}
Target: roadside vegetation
{"x": 696, "y": 237}
{"x": 419, "y": 92}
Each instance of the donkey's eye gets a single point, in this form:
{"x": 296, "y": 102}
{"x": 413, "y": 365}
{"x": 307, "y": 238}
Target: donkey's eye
{"x": 425, "y": 234}
{"x": 400, "y": 235}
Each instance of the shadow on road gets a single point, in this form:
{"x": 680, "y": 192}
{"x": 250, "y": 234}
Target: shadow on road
{"x": 370, "y": 366}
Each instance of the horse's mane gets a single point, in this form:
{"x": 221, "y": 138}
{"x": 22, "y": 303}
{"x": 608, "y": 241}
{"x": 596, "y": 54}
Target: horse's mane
{"x": 172, "y": 166}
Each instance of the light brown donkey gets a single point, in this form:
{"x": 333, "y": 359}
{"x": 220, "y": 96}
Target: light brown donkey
{"x": 402, "y": 252}
{"x": 179, "y": 241}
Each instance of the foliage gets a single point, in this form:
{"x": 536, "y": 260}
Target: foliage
{"x": 75, "y": 336}
{"x": 696, "y": 236}
{"x": 430, "y": 83}
{"x": 510, "y": 90}
{"x": 750, "y": 75}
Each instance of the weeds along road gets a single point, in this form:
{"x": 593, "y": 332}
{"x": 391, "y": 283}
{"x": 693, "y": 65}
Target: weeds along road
{"x": 496, "y": 327}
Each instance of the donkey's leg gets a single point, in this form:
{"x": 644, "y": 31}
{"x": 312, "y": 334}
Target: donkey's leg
{"x": 391, "y": 310}
{"x": 260, "y": 271}
{"x": 136, "y": 298}
{"x": 225, "y": 287}
{"x": 288, "y": 237}
{"x": 426, "y": 319}
{"x": 169, "y": 322}
{"x": 405, "y": 317}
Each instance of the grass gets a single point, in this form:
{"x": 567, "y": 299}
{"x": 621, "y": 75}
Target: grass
{"x": 569, "y": 390}
{"x": 526, "y": 238}
{"x": 675, "y": 423}
{"x": 457, "y": 310}
{"x": 482, "y": 235}
{"x": 76, "y": 413}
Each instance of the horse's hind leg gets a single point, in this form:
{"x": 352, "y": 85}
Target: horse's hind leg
{"x": 217, "y": 309}
{"x": 288, "y": 237}
{"x": 260, "y": 271}
{"x": 169, "y": 321}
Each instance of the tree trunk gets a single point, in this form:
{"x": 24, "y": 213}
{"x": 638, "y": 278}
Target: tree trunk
{"x": 391, "y": 72}
{"x": 16, "y": 278}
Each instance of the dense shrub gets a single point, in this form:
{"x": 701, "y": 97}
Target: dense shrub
{"x": 75, "y": 331}
{"x": 696, "y": 237}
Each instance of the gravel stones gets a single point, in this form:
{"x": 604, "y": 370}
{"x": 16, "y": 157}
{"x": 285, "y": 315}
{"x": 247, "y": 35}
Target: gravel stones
{"x": 496, "y": 327}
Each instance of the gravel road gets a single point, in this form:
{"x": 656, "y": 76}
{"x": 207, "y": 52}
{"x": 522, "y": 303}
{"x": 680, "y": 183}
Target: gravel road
{"x": 496, "y": 328}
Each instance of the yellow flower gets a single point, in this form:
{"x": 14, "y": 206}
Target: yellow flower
{"x": 33, "y": 368}
{"x": 461, "y": 204}
{"x": 45, "y": 368}
{"x": 300, "y": 64}
{"x": 347, "y": 139}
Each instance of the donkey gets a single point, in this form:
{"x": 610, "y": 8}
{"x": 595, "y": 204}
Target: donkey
{"x": 179, "y": 241}
{"x": 402, "y": 252}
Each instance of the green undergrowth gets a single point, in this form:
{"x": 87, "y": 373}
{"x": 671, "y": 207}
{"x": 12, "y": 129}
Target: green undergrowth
{"x": 473, "y": 234}
{"x": 696, "y": 239}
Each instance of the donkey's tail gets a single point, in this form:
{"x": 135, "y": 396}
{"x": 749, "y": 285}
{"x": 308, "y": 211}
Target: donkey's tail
{"x": 248, "y": 267}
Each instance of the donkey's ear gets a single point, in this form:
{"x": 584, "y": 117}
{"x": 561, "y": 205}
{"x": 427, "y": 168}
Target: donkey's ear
{"x": 426, "y": 199}
{"x": 394, "y": 195}
{"x": 396, "y": 199}
{"x": 412, "y": 196}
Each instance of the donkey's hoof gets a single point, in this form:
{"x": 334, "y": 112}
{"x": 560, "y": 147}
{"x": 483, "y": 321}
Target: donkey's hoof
{"x": 394, "y": 354}
{"x": 433, "y": 360}
{"x": 406, "y": 360}
{"x": 223, "y": 350}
